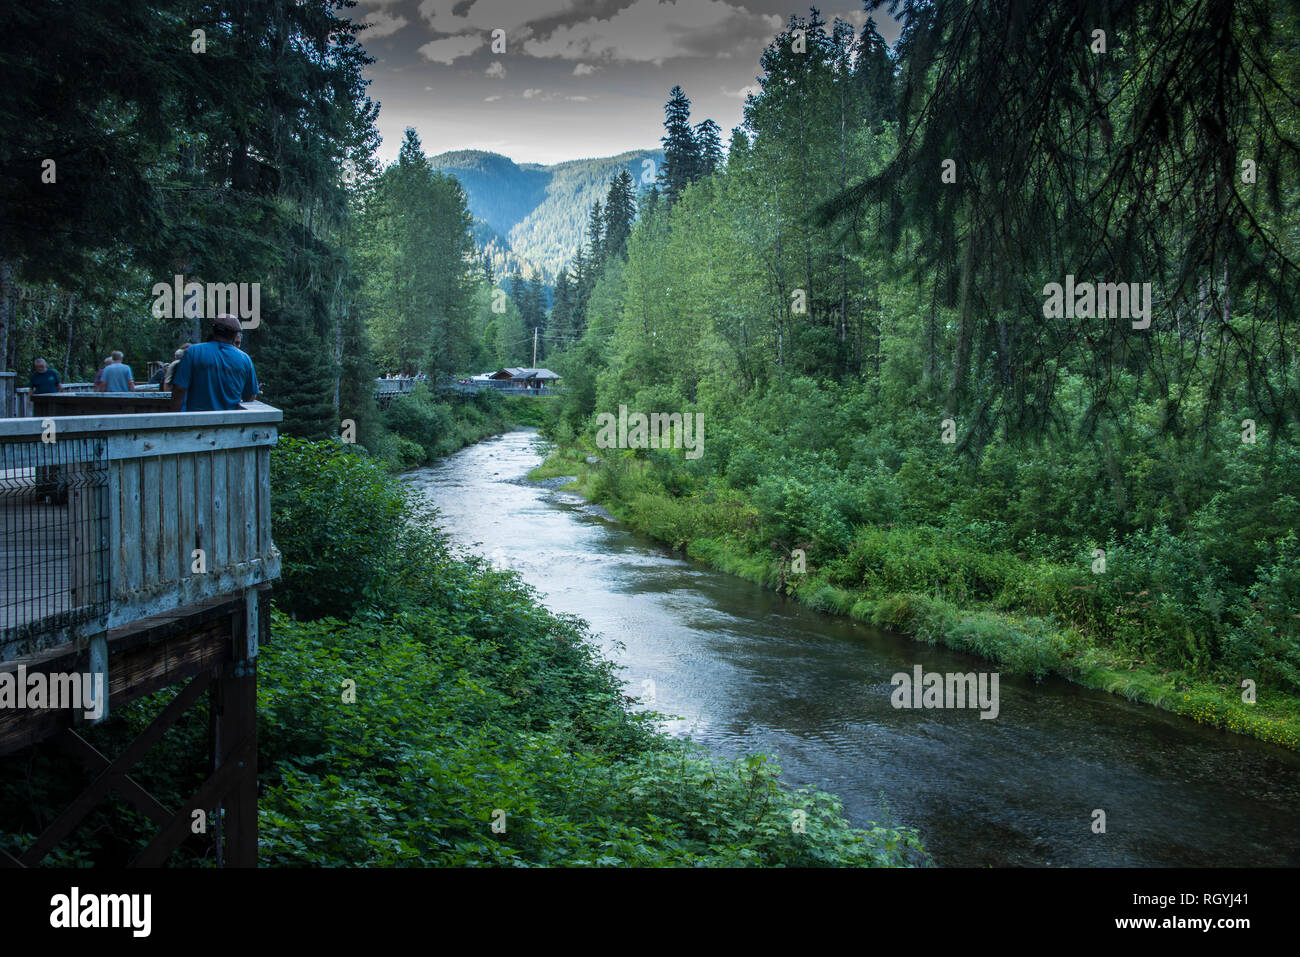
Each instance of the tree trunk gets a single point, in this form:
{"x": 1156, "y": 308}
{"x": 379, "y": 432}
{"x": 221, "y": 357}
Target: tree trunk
{"x": 72, "y": 323}
{"x": 962, "y": 353}
{"x": 8, "y": 304}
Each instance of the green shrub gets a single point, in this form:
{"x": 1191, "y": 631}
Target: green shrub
{"x": 333, "y": 514}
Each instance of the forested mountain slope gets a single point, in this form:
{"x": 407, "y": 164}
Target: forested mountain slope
{"x": 540, "y": 210}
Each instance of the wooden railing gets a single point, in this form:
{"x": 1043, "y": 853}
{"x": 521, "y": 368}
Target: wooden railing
{"x": 22, "y": 403}
{"x": 180, "y": 506}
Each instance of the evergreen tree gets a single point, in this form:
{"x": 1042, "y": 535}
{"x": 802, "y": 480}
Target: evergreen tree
{"x": 620, "y": 210}
{"x": 595, "y": 236}
{"x": 563, "y": 331}
{"x": 709, "y": 139}
{"x": 537, "y": 312}
{"x": 681, "y": 151}
{"x": 297, "y": 376}
{"x": 582, "y": 283}
{"x": 874, "y": 75}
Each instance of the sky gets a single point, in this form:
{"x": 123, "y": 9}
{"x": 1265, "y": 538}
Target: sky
{"x": 577, "y": 78}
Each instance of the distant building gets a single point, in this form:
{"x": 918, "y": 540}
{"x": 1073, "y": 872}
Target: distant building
{"x": 531, "y": 380}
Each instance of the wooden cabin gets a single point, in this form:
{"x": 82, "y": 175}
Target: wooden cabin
{"x": 535, "y": 381}
{"x": 135, "y": 546}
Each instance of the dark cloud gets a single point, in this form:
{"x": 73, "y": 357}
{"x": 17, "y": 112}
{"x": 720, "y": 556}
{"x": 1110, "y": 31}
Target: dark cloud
{"x": 578, "y": 77}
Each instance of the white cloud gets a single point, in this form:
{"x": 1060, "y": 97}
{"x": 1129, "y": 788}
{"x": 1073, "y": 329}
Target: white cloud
{"x": 579, "y": 99}
{"x": 449, "y": 49}
{"x": 532, "y": 92}
{"x": 381, "y": 24}
{"x": 489, "y": 15}
{"x": 584, "y": 69}
{"x": 742, "y": 93}
{"x": 496, "y": 70}
{"x": 650, "y": 31}
{"x": 491, "y": 99}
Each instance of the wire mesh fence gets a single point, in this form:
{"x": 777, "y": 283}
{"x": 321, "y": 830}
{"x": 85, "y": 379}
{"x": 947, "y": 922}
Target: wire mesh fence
{"x": 53, "y": 538}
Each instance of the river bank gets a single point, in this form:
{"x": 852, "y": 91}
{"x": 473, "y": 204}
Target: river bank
{"x": 745, "y": 670}
{"x": 1019, "y": 643}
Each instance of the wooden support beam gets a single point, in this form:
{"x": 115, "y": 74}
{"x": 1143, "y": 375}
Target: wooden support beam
{"x": 96, "y": 763}
{"x": 64, "y": 824}
{"x": 214, "y": 788}
{"x": 138, "y": 664}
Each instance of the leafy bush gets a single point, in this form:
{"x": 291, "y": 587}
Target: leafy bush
{"x": 333, "y": 514}
{"x": 420, "y": 418}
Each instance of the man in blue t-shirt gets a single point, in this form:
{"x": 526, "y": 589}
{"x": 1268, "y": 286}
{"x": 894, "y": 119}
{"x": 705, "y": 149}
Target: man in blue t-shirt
{"x": 118, "y": 376}
{"x": 215, "y": 376}
{"x": 44, "y": 379}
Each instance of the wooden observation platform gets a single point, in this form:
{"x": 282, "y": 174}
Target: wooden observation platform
{"x": 135, "y": 550}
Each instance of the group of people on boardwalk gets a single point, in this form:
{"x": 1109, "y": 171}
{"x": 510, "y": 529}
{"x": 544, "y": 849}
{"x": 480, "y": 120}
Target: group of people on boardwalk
{"x": 215, "y": 375}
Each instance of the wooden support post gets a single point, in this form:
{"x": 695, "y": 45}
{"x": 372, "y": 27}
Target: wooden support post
{"x": 99, "y": 674}
{"x": 234, "y": 700}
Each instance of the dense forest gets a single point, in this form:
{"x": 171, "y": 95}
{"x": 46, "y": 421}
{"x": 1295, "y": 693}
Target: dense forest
{"x": 905, "y": 421}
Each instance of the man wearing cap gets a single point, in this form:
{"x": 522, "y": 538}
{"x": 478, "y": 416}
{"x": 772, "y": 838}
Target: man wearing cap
{"x": 216, "y": 375}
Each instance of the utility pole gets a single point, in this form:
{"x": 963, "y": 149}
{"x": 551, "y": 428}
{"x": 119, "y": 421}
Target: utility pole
{"x": 535, "y": 347}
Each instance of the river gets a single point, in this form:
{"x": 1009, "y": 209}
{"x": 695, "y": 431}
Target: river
{"x": 743, "y": 670}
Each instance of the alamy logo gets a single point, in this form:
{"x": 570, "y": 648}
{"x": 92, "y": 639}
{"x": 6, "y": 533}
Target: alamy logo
{"x": 1106, "y": 300}
{"x": 659, "y": 430}
{"x": 72, "y": 691}
{"x": 75, "y": 909}
{"x": 930, "y": 689}
{"x": 194, "y": 300}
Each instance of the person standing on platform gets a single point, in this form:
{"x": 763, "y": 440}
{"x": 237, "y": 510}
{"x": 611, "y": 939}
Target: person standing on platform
{"x": 215, "y": 375}
{"x": 44, "y": 379}
{"x": 118, "y": 376}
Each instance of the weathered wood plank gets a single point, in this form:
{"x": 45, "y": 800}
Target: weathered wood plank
{"x": 248, "y": 467}
{"x": 235, "y": 496}
{"x": 143, "y": 444}
{"x": 263, "y": 501}
{"x": 129, "y": 560}
{"x": 186, "y": 514}
{"x": 157, "y": 509}
{"x": 203, "y": 506}
{"x": 150, "y": 520}
{"x": 196, "y": 588}
{"x": 253, "y": 413}
{"x": 220, "y": 512}
{"x": 169, "y": 565}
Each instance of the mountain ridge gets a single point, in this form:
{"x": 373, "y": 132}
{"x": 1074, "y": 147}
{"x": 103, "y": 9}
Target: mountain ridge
{"x": 539, "y": 211}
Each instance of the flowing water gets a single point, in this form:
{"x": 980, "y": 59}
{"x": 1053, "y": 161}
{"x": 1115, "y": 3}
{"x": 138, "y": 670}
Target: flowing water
{"x": 743, "y": 669}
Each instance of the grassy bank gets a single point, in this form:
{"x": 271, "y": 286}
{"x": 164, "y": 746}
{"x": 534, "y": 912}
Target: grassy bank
{"x": 1030, "y": 616}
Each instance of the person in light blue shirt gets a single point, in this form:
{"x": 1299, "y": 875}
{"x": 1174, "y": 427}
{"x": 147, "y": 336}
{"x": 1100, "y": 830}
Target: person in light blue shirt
{"x": 215, "y": 375}
{"x": 117, "y": 376}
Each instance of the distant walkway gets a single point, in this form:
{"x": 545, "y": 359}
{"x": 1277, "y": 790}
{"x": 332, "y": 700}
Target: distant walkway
{"x": 388, "y": 389}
